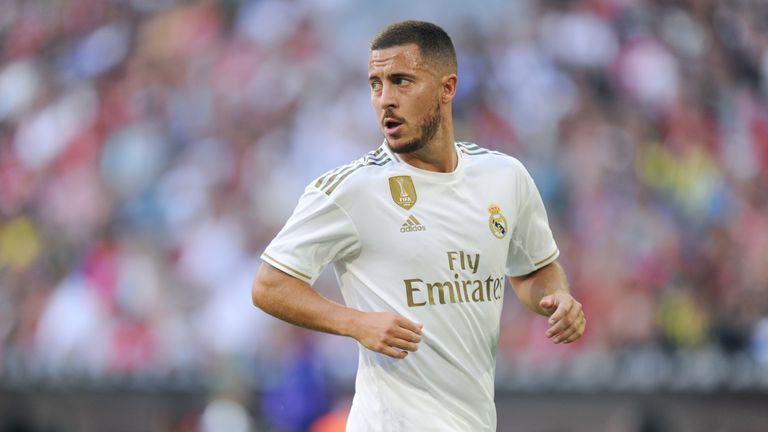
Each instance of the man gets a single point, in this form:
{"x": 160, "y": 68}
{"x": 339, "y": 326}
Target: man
{"x": 421, "y": 233}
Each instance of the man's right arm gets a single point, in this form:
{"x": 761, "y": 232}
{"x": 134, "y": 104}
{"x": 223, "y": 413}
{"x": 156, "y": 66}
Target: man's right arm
{"x": 295, "y": 301}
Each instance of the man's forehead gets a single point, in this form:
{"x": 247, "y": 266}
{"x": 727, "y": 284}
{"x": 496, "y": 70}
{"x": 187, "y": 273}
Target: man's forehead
{"x": 405, "y": 56}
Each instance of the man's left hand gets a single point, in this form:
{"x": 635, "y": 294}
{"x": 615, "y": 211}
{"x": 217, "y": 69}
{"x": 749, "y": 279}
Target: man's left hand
{"x": 567, "y": 321}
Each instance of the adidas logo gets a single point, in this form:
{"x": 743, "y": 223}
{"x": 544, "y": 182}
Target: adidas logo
{"x": 412, "y": 224}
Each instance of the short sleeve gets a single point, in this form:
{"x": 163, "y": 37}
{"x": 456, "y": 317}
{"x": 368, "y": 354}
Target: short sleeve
{"x": 318, "y": 232}
{"x": 531, "y": 245}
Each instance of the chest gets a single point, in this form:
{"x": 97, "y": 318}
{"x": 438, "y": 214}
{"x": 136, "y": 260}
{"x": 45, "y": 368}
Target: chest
{"x": 459, "y": 227}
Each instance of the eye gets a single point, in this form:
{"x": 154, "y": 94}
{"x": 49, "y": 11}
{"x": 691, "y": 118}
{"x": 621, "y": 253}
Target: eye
{"x": 375, "y": 85}
{"x": 401, "y": 81}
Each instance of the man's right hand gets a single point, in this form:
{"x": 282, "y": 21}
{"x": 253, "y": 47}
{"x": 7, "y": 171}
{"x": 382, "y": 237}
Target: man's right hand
{"x": 293, "y": 300}
{"x": 387, "y": 333}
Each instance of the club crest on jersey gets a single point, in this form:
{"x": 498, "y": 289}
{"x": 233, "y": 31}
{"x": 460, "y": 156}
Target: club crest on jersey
{"x": 497, "y": 222}
{"x": 403, "y": 192}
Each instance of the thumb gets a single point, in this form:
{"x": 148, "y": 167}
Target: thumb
{"x": 548, "y": 302}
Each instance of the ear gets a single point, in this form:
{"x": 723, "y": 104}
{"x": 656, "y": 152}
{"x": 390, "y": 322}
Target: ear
{"x": 448, "y": 88}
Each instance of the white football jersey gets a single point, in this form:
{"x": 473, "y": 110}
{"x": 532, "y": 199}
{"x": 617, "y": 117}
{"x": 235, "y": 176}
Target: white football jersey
{"x": 435, "y": 248}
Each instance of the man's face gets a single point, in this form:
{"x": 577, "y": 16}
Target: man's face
{"x": 405, "y": 92}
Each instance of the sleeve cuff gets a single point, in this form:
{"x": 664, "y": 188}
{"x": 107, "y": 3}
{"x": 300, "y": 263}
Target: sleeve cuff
{"x": 553, "y": 256}
{"x": 286, "y": 268}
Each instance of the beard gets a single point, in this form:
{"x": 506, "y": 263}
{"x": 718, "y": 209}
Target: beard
{"x": 427, "y": 130}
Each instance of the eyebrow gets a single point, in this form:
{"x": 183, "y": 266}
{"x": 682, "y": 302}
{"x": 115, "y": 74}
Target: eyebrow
{"x": 393, "y": 75}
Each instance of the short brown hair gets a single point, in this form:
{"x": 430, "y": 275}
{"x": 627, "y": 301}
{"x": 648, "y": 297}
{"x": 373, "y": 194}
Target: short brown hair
{"x": 434, "y": 43}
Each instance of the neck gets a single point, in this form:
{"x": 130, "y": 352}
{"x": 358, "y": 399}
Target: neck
{"x": 438, "y": 155}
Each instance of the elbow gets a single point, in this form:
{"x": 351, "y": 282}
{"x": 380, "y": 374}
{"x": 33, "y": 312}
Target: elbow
{"x": 260, "y": 287}
{"x": 269, "y": 288}
{"x": 258, "y": 294}
{"x": 259, "y": 290}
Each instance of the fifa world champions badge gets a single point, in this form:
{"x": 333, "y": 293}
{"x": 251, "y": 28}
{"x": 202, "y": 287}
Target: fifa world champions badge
{"x": 497, "y": 222}
{"x": 403, "y": 192}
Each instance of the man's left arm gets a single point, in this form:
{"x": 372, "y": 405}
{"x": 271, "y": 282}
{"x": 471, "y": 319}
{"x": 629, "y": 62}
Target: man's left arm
{"x": 546, "y": 292}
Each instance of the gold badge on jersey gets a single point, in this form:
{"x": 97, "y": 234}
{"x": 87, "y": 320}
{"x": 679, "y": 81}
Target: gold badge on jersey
{"x": 403, "y": 192}
{"x": 497, "y": 222}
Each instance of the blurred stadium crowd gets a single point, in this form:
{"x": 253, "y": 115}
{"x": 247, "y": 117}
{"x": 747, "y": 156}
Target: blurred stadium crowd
{"x": 149, "y": 150}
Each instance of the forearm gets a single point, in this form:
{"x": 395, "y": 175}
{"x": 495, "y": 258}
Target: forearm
{"x": 531, "y": 288}
{"x": 294, "y": 301}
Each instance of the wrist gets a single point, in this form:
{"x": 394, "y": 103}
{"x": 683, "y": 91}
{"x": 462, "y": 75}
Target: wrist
{"x": 348, "y": 322}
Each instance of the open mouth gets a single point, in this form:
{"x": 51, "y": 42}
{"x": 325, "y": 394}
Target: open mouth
{"x": 391, "y": 125}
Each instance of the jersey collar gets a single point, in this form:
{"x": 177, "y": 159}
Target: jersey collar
{"x": 438, "y": 176}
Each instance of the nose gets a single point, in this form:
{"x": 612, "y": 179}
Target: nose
{"x": 388, "y": 97}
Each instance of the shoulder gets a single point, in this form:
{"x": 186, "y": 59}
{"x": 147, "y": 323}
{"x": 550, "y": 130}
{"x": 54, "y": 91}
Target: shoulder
{"x": 346, "y": 177}
{"x": 488, "y": 159}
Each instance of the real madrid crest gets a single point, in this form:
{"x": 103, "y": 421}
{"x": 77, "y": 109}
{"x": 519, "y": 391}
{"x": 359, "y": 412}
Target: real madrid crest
{"x": 403, "y": 192}
{"x": 497, "y": 222}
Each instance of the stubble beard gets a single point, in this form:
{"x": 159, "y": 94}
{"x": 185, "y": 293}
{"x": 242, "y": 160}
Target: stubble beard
{"x": 428, "y": 129}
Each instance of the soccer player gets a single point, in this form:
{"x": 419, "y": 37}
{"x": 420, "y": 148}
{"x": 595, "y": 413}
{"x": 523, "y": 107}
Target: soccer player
{"x": 422, "y": 233}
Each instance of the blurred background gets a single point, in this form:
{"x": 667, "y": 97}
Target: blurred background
{"x": 150, "y": 149}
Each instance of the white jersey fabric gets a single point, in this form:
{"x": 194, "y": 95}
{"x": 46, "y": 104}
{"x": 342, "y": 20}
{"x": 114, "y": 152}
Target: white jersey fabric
{"x": 435, "y": 248}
